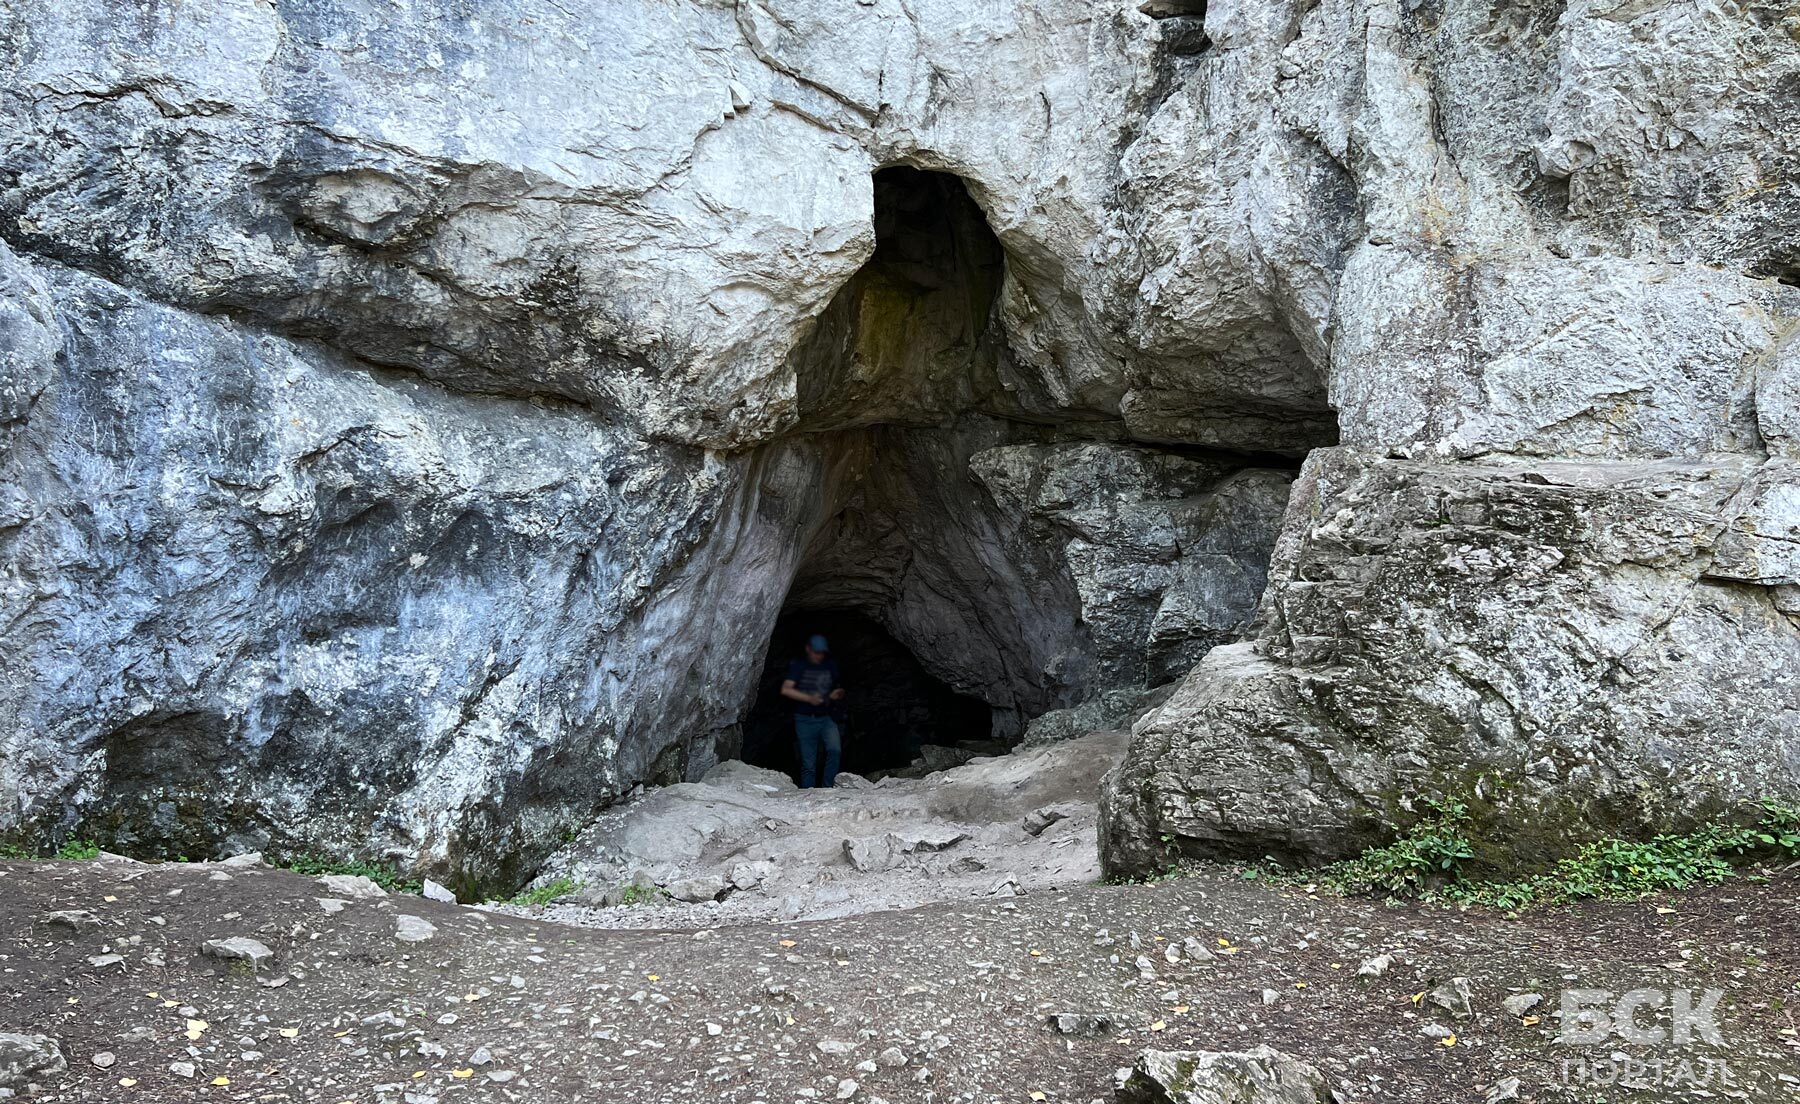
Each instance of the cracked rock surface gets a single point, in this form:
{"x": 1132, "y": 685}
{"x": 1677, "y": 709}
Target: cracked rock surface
{"x": 744, "y": 844}
{"x": 1570, "y": 645}
{"x": 413, "y": 423}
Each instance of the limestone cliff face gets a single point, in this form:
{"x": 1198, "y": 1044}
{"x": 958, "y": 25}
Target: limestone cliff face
{"x": 1550, "y": 574}
{"x": 412, "y": 421}
{"x": 1567, "y": 647}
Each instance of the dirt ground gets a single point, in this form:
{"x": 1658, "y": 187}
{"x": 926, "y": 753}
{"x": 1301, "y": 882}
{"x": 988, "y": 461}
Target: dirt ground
{"x": 949, "y": 1002}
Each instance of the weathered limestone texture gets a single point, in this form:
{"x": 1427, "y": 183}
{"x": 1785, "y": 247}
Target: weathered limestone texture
{"x": 1565, "y": 645}
{"x": 413, "y": 419}
{"x": 642, "y": 207}
{"x": 250, "y": 584}
{"x": 1552, "y": 572}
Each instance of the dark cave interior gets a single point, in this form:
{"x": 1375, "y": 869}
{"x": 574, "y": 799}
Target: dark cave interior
{"x": 909, "y": 338}
{"x": 907, "y": 341}
{"x": 891, "y": 708}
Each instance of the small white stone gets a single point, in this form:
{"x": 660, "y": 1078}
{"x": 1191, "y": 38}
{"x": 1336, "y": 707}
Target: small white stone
{"x": 352, "y": 885}
{"x": 1520, "y": 1003}
{"x": 1375, "y": 967}
{"x": 238, "y": 948}
{"x": 413, "y": 929}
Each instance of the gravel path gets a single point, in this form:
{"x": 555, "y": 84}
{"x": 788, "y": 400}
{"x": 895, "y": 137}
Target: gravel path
{"x": 949, "y": 1002}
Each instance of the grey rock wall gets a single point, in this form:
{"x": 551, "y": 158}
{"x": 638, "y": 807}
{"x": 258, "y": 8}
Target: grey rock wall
{"x": 413, "y": 420}
{"x": 1550, "y": 577}
{"x": 253, "y": 587}
{"x": 1566, "y": 647}
{"x": 1166, "y": 551}
{"x": 257, "y": 592}
{"x": 29, "y": 339}
{"x": 643, "y": 208}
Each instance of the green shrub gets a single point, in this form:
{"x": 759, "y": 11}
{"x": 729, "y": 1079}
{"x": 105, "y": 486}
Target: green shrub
{"x": 641, "y": 895}
{"x": 1621, "y": 868}
{"x": 72, "y": 850}
{"x": 1778, "y": 831}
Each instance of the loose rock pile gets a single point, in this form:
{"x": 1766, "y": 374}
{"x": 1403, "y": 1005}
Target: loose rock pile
{"x": 745, "y": 844}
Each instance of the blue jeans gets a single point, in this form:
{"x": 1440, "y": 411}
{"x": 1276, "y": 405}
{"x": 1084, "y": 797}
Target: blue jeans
{"x": 815, "y": 732}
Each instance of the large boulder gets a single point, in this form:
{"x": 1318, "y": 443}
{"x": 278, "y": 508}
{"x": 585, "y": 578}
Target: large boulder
{"x": 1260, "y": 1076}
{"x": 1552, "y": 578}
{"x": 28, "y": 1059}
{"x": 1569, "y": 649}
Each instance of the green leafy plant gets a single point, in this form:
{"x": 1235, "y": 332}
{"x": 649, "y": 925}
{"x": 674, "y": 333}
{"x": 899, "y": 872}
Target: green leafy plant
{"x": 1430, "y": 855}
{"x": 1622, "y": 868}
{"x": 1431, "y": 862}
{"x": 312, "y": 865}
{"x": 1779, "y": 829}
{"x": 640, "y": 895}
{"x": 548, "y": 892}
{"x": 72, "y": 850}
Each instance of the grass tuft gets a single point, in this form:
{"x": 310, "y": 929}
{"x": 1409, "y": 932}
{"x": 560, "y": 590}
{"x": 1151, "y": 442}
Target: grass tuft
{"x": 73, "y": 850}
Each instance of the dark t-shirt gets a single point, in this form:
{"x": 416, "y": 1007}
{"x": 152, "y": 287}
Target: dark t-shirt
{"x": 813, "y": 678}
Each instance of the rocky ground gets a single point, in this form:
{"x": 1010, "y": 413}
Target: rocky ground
{"x": 403, "y": 999}
{"x": 746, "y": 844}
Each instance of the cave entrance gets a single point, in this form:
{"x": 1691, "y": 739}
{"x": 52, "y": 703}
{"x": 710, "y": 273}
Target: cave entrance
{"x": 904, "y": 349}
{"x": 893, "y": 707}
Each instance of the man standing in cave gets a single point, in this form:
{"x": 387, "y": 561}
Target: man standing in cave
{"x": 813, "y": 684}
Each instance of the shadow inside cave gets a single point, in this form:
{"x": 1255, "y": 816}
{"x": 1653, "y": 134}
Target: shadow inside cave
{"x": 892, "y": 707}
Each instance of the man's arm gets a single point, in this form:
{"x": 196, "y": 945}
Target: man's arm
{"x": 789, "y": 690}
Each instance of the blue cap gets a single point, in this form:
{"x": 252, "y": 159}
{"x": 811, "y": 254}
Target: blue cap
{"x": 818, "y": 644}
